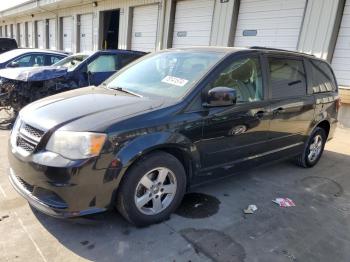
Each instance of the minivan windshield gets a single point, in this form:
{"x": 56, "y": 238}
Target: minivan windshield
{"x": 71, "y": 62}
{"x": 171, "y": 74}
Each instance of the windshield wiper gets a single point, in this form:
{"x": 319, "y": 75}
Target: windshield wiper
{"x": 120, "y": 89}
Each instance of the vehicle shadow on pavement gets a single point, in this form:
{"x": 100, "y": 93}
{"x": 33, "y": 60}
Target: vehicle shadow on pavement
{"x": 317, "y": 229}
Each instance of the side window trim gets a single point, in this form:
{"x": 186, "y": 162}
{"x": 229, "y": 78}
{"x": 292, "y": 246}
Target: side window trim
{"x": 308, "y": 71}
{"x": 287, "y": 57}
{"x": 266, "y": 76}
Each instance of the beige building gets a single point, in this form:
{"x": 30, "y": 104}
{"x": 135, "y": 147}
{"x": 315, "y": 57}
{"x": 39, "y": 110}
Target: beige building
{"x": 319, "y": 27}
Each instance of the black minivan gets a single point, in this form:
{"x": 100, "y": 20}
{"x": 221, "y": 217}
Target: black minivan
{"x": 169, "y": 121}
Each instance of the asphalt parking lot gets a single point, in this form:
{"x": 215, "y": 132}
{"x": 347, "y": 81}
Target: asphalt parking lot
{"x": 210, "y": 224}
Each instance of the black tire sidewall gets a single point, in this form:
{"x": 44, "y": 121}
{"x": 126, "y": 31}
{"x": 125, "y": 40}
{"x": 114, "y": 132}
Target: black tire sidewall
{"x": 317, "y": 131}
{"x": 133, "y": 177}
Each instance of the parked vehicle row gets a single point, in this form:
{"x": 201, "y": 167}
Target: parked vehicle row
{"x": 27, "y": 57}
{"x": 167, "y": 122}
{"x": 31, "y": 74}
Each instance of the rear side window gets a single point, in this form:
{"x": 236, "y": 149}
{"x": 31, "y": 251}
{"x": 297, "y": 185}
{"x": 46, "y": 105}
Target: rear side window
{"x": 287, "y": 77}
{"x": 322, "y": 77}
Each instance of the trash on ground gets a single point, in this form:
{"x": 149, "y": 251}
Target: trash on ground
{"x": 3, "y": 217}
{"x": 284, "y": 202}
{"x": 250, "y": 209}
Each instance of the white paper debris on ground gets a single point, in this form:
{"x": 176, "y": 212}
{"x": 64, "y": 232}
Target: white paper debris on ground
{"x": 250, "y": 209}
{"x": 284, "y": 202}
{"x": 198, "y": 205}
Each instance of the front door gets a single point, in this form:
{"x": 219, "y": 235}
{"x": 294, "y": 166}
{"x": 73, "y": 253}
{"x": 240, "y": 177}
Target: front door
{"x": 236, "y": 134}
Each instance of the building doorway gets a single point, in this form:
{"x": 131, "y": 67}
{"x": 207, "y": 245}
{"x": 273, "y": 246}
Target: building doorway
{"x": 110, "y": 29}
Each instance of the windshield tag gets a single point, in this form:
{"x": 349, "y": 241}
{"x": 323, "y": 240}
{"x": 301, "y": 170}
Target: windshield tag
{"x": 175, "y": 81}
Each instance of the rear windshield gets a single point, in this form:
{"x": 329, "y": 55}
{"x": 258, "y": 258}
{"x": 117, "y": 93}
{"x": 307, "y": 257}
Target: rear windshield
{"x": 322, "y": 77}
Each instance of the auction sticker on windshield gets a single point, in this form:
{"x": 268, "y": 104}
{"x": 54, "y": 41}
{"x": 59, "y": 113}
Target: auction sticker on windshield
{"x": 175, "y": 81}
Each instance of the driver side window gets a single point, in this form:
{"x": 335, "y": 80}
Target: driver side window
{"x": 103, "y": 63}
{"x": 244, "y": 75}
{"x": 30, "y": 60}
{"x": 24, "y": 61}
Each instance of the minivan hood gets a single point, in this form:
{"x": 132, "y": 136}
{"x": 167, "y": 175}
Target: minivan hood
{"x": 85, "y": 109}
{"x": 33, "y": 73}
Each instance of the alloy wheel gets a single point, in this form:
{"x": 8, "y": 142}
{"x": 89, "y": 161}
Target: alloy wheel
{"x": 315, "y": 148}
{"x": 155, "y": 191}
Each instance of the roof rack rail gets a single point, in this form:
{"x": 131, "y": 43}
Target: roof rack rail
{"x": 278, "y": 49}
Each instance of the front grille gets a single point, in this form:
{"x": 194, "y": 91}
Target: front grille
{"x": 24, "y": 144}
{"x": 27, "y": 186}
{"x": 27, "y": 138}
{"x": 33, "y": 131}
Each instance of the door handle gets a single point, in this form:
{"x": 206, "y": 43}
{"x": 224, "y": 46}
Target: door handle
{"x": 277, "y": 111}
{"x": 260, "y": 114}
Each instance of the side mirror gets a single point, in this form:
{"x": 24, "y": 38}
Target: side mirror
{"x": 13, "y": 64}
{"x": 221, "y": 96}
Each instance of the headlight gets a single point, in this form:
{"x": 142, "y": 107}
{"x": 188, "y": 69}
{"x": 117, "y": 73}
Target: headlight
{"x": 76, "y": 145}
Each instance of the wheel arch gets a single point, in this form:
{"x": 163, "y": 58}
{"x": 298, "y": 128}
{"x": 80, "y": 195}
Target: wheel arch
{"x": 175, "y": 144}
{"x": 325, "y": 125}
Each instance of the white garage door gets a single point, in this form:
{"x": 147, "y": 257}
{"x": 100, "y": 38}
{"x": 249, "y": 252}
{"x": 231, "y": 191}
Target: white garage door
{"x": 30, "y": 34}
{"x": 40, "y": 34}
{"x": 145, "y": 28}
{"x": 193, "y": 22}
{"x": 8, "y": 31}
{"x": 271, "y": 23}
{"x": 86, "y": 33}
{"x": 67, "y": 33}
{"x": 13, "y": 30}
{"x": 22, "y": 35}
{"x": 341, "y": 56}
{"x": 52, "y": 34}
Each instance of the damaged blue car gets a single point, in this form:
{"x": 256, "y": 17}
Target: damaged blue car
{"x": 21, "y": 86}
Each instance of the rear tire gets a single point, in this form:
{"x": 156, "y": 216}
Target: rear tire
{"x": 313, "y": 149}
{"x": 152, "y": 189}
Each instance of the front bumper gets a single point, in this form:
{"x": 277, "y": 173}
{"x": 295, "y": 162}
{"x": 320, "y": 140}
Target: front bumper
{"x": 50, "y": 208}
{"x": 74, "y": 190}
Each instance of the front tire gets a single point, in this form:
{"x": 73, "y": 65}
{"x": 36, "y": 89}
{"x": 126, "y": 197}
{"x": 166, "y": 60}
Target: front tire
{"x": 152, "y": 189}
{"x": 313, "y": 149}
